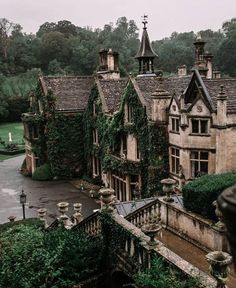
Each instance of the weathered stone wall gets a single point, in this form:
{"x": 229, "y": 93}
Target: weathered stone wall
{"x": 193, "y": 227}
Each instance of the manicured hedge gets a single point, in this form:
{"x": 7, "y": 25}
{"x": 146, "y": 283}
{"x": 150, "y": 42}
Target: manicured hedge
{"x": 42, "y": 173}
{"x": 199, "y": 194}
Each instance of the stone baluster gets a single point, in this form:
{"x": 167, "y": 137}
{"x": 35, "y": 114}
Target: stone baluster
{"x": 219, "y": 266}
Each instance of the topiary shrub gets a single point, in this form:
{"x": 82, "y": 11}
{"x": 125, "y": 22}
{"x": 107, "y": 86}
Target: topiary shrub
{"x": 199, "y": 194}
{"x": 42, "y": 173}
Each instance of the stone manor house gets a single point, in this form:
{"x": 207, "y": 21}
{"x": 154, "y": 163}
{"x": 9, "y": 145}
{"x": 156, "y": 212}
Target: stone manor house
{"x": 132, "y": 132}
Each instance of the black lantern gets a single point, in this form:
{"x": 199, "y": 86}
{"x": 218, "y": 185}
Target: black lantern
{"x": 23, "y": 201}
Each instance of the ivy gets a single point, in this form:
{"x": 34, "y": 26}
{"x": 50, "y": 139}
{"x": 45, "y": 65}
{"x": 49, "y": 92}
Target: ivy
{"x": 152, "y": 138}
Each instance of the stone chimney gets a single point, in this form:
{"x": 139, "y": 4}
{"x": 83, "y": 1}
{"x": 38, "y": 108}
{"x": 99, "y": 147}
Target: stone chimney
{"x": 222, "y": 107}
{"x": 108, "y": 64}
{"x": 208, "y": 57}
{"x": 161, "y": 101}
{"x": 182, "y": 71}
{"x": 200, "y": 62}
{"x": 216, "y": 74}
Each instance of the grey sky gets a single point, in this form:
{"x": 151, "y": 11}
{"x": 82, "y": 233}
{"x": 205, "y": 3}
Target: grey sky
{"x": 164, "y": 16}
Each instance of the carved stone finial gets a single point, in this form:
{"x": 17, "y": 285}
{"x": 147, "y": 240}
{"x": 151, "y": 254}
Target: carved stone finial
{"x": 144, "y": 21}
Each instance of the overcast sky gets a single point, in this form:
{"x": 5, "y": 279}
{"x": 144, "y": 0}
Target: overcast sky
{"x": 164, "y": 16}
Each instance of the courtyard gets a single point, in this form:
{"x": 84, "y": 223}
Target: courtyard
{"x": 39, "y": 194}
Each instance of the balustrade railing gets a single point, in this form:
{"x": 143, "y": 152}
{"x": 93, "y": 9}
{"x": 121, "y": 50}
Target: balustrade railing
{"x": 90, "y": 225}
{"x": 144, "y": 214}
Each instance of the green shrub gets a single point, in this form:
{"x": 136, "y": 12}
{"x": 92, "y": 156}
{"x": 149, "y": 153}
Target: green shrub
{"x": 199, "y": 194}
{"x": 161, "y": 275}
{"x": 42, "y": 173}
{"x": 31, "y": 257}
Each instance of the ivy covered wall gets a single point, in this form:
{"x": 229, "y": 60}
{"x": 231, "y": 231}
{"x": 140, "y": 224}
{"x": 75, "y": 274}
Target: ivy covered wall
{"x": 152, "y": 139}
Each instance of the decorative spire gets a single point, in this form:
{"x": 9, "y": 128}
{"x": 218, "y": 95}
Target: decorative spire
{"x": 144, "y": 21}
{"x": 145, "y": 54}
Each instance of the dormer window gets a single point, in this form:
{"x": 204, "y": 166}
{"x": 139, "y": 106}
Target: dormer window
{"x": 129, "y": 113}
{"x": 199, "y": 126}
{"x": 175, "y": 124}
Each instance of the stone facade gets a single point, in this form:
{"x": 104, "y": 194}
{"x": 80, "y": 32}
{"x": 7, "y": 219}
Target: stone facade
{"x": 137, "y": 124}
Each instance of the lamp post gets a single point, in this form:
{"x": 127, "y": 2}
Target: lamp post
{"x": 23, "y": 201}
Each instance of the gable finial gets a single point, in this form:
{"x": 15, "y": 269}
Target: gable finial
{"x": 144, "y": 21}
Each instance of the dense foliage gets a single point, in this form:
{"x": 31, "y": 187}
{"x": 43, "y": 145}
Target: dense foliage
{"x": 161, "y": 275}
{"x": 199, "y": 194}
{"x": 32, "y": 258}
{"x": 65, "y": 145}
{"x": 153, "y": 164}
{"x": 42, "y": 173}
{"x": 62, "y": 48}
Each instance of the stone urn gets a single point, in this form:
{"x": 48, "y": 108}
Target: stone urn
{"x": 63, "y": 207}
{"x": 152, "y": 230}
{"x": 77, "y": 215}
{"x": 107, "y": 197}
{"x": 227, "y": 205}
{"x": 42, "y": 212}
{"x": 168, "y": 188}
{"x": 11, "y": 218}
{"x": 219, "y": 262}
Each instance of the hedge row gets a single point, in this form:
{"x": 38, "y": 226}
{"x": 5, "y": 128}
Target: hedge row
{"x": 199, "y": 194}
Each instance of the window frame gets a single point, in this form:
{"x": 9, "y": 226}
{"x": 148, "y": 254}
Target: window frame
{"x": 175, "y": 124}
{"x": 199, "y": 126}
{"x": 174, "y": 158}
{"x": 199, "y": 161}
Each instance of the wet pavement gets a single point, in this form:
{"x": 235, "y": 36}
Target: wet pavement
{"x": 39, "y": 193}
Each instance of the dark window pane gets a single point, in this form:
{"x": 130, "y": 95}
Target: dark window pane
{"x": 177, "y": 152}
{"x": 194, "y": 155}
{"x": 195, "y": 126}
{"x": 204, "y": 126}
{"x": 204, "y": 155}
{"x": 173, "y": 124}
{"x": 204, "y": 167}
{"x": 177, "y": 125}
{"x": 173, "y": 164}
{"x": 177, "y": 166}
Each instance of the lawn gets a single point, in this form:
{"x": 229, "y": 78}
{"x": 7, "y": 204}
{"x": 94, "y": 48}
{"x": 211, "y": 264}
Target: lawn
{"x": 16, "y": 130}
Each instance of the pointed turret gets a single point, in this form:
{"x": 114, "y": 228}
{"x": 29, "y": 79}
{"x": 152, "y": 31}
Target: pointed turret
{"x": 145, "y": 54}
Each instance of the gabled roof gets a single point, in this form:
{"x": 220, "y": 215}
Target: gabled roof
{"x": 111, "y": 92}
{"x": 148, "y": 85}
{"x": 210, "y": 88}
{"x": 213, "y": 88}
{"x": 71, "y": 93}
